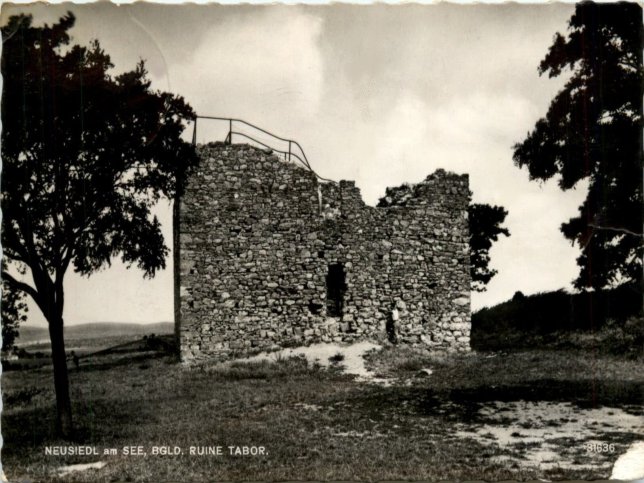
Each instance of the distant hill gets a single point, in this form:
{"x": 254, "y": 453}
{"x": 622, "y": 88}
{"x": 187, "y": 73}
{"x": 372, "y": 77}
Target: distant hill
{"x": 511, "y": 323}
{"x": 95, "y": 330}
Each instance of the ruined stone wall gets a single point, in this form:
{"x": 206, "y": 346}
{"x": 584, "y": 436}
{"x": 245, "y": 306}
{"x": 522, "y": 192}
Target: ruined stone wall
{"x": 272, "y": 257}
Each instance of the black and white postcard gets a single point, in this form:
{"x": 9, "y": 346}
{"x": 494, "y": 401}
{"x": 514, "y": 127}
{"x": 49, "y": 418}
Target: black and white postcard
{"x": 322, "y": 242}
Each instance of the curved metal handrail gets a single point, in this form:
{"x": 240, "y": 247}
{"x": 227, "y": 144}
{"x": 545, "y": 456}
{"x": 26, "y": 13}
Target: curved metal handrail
{"x": 291, "y": 142}
{"x": 243, "y": 122}
{"x": 285, "y": 153}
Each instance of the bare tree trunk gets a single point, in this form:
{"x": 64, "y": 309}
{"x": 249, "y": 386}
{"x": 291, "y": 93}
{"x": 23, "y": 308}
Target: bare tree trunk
{"x": 61, "y": 381}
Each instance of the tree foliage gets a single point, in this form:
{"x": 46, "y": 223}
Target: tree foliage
{"x": 593, "y": 131}
{"x": 485, "y": 228}
{"x": 86, "y": 155}
{"x": 14, "y": 312}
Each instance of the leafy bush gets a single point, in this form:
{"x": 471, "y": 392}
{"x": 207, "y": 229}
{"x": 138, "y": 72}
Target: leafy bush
{"x": 623, "y": 339}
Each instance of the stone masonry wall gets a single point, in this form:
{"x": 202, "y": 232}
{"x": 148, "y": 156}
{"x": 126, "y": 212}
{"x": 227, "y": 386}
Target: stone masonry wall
{"x": 271, "y": 257}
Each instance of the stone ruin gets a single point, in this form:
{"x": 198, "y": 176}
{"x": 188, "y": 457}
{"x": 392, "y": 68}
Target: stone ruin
{"x": 270, "y": 257}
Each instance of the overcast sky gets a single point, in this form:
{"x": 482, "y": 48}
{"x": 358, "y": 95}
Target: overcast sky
{"x": 378, "y": 94}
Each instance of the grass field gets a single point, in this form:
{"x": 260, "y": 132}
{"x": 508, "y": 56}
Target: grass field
{"x": 437, "y": 421}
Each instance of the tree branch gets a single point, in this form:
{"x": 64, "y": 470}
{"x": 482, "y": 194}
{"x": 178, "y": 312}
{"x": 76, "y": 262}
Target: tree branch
{"x": 39, "y": 272}
{"x": 613, "y": 228}
{"x": 28, "y": 289}
{"x": 12, "y": 242}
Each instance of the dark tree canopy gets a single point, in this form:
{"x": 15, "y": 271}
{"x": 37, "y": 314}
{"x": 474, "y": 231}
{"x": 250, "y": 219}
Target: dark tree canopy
{"x": 14, "y": 312}
{"x": 593, "y": 131}
{"x": 86, "y": 155}
{"x": 485, "y": 228}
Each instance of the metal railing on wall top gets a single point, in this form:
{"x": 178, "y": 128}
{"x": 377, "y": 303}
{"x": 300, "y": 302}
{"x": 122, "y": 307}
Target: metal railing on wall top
{"x": 294, "y": 151}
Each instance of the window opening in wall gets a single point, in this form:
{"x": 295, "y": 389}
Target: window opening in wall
{"x": 315, "y": 308}
{"x": 336, "y": 286}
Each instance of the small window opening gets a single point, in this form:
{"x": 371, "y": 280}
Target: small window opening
{"x": 336, "y": 286}
{"x": 315, "y": 308}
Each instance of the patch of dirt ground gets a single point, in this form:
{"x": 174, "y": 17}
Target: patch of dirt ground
{"x": 554, "y": 434}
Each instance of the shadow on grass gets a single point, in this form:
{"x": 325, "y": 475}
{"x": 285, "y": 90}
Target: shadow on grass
{"x": 463, "y": 404}
{"x": 24, "y": 430}
{"x": 584, "y": 394}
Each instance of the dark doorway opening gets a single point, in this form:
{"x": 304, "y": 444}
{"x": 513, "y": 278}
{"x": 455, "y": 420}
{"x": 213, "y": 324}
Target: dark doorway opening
{"x": 390, "y": 328}
{"x": 336, "y": 286}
